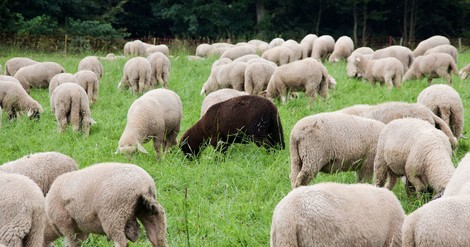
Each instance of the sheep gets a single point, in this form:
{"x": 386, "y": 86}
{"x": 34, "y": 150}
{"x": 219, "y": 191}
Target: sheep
{"x": 446, "y": 103}
{"x": 219, "y": 96}
{"x": 459, "y": 183}
{"x": 38, "y": 75}
{"x": 402, "y": 53}
{"x": 388, "y": 71}
{"x": 160, "y": 68}
{"x": 257, "y": 76}
{"x": 14, "y": 64}
{"x": 9, "y": 78}
{"x": 238, "y": 51}
{"x": 259, "y": 45}
{"x": 343, "y": 48}
{"x": 464, "y": 72}
{"x": 69, "y": 103}
{"x": 322, "y": 47}
{"x": 106, "y": 198}
{"x": 220, "y": 61}
{"x": 137, "y": 75}
{"x": 441, "y": 222}
{"x": 449, "y": 49}
{"x": 219, "y": 48}
{"x": 295, "y": 47}
{"x": 388, "y": 111}
{"x": 275, "y": 42}
{"x": 155, "y": 115}
{"x": 158, "y": 48}
{"x": 413, "y": 148}
{"x": 202, "y": 50}
{"x": 429, "y": 43}
{"x": 248, "y": 57}
{"x": 230, "y": 75}
{"x": 89, "y": 82}
{"x": 433, "y": 65}
{"x": 14, "y": 99}
{"x": 60, "y": 78}
{"x": 331, "y": 214}
{"x": 236, "y": 120}
{"x": 127, "y": 48}
{"x": 332, "y": 142}
{"x": 307, "y": 43}
{"x": 137, "y": 48}
{"x": 91, "y": 63}
{"x": 22, "y": 221}
{"x": 305, "y": 75}
{"x": 43, "y": 168}
{"x": 279, "y": 54}
{"x": 351, "y": 69}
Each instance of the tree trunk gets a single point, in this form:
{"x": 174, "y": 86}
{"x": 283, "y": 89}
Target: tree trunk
{"x": 260, "y": 11}
{"x": 364, "y": 23}
{"x": 405, "y": 22}
{"x": 411, "y": 35}
{"x": 317, "y": 26}
{"x": 355, "y": 22}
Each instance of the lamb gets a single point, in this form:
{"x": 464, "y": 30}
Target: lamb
{"x": 343, "y": 48}
{"x": 433, "y": 65}
{"x": 402, "y": 53}
{"x": 429, "y": 43}
{"x": 23, "y": 216}
{"x": 59, "y": 79}
{"x": 388, "y": 71}
{"x": 69, "y": 102}
{"x": 155, "y": 115}
{"x": 459, "y": 183}
{"x": 330, "y": 214}
{"x": 238, "y": 51}
{"x": 445, "y": 102}
{"x": 413, "y": 148}
{"x": 88, "y": 80}
{"x": 322, "y": 47}
{"x": 160, "y": 69}
{"x": 137, "y": 75}
{"x": 14, "y": 64}
{"x": 43, "y": 168}
{"x": 449, "y": 49}
{"x": 158, "y": 48}
{"x": 257, "y": 76}
{"x": 14, "y": 99}
{"x": 203, "y": 50}
{"x": 230, "y": 75}
{"x": 106, "y": 198}
{"x": 91, "y": 63}
{"x": 305, "y": 75}
{"x": 351, "y": 69}
{"x": 441, "y": 222}
{"x": 219, "y": 96}
{"x": 236, "y": 120}
{"x": 332, "y": 142}
{"x": 38, "y": 75}
{"x": 279, "y": 55}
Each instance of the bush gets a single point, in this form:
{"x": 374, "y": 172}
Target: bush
{"x": 39, "y": 25}
{"x": 94, "y": 29}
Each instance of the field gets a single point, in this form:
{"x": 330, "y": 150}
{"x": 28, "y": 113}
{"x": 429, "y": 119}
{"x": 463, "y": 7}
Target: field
{"x": 215, "y": 200}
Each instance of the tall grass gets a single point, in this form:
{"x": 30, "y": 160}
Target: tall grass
{"x": 215, "y": 200}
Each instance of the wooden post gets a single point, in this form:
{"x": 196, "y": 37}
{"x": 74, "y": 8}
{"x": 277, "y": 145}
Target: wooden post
{"x": 460, "y": 44}
{"x": 154, "y": 41}
{"x": 65, "y": 44}
{"x": 401, "y": 41}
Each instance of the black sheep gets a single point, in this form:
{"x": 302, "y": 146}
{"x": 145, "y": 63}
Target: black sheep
{"x": 237, "y": 120}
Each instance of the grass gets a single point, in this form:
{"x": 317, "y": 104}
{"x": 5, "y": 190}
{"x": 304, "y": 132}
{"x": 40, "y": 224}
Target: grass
{"x": 215, "y": 200}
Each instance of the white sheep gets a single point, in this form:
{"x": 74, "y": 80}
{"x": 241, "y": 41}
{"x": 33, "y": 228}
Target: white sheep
{"x": 106, "y": 198}
{"x": 160, "y": 69}
{"x": 219, "y": 48}
{"x": 38, "y": 75}
{"x": 332, "y": 142}
{"x": 279, "y": 54}
{"x": 351, "y": 69}
{"x": 238, "y": 51}
{"x": 388, "y": 71}
{"x": 343, "y": 48}
{"x": 137, "y": 48}
{"x": 464, "y": 72}
{"x": 449, "y": 49}
{"x": 446, "y": 103}
{"x": 127, "y": 48}
{"x": 275, "y": 42}
{"x": 221, "y": 61}
{"x": 158, "y": 48}
{"x": 307, "y": 43}
{"x": 22, "y": 218}
{"x": 322, "y": 47}
{"x": 60, "y": 78}
{"x": 88, "y": 80}
{"x": 295, "y": 47}
{"x": 429, "y": 43}
{"x": 248, "y": 57}
{"x": 14, "y": 99}
{"x": 257, "y": 76}
{"x": 155, "y": 115}
{"x": 12, "y": 65}
{"x": 136, "y": 75}
{"x": 441, "y": 222}
{"x": 333, "y": 215}
{"x": 202, "y": 50}
{"x": 260, "y": 45}
{"x": 402, "y": 53}
{"x": 433, "y": 65}
{"x": 9, "y": 78}
{"x": 69, "y": 103}
{"x": 230, "y": 75}
{"x": 219, "y": 96}
{"x": 91, "y": 63}
{"x": 459, "y": 183}
{"x": 413, "y": 148}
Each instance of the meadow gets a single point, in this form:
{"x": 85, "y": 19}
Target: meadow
{"x": 215, "y": 200}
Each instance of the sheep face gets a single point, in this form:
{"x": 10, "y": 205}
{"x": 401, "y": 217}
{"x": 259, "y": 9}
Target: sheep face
{"x": 35, "y": 112}
{"x": 131, "y": 148}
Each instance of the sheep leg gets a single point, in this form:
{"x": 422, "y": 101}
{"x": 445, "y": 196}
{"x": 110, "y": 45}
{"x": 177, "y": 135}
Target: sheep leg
{"x": 115, "y": 228}
{"x": 397, "y": 80}
{"x": 417, "y": 183}
{"x": 75, "y": 114}
{"x": 380, "y": 170}
{"x": 142, "y": 84}
{"x": 155, "y": 227}
{"x": 134, "y": 86}
{"x": 366, "y": 171}
{"x": 388, "y": 81}
{"x": 157, "y": 144}
{"x": 392, "y": 180}
{"x": 170, "y": 139}
{"x": 311, "y": 92}
{"x": 61, "y": 117}
{"x": 166, "y": 75}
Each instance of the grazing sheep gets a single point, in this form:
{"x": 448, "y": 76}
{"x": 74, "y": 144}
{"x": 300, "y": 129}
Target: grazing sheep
{"x": 230, "y": 75}
{"x": 413, "y": 148}
{"x": 236, "y": 120}
{"x": 388, "y": 71}
{"x": 42, "y": 168}
{"x": 402, "y": 53}
{"x": 59, "y": 79}
{"x": 238, "y": 51}
{"x": 219, "y": 96}
{"x": 160, "y": 68}
{"x": 259, "y": 45}
{"x": 14, "y": 99}
{"x": 155, "y": 115}
{"x": 9, "y": 78}
{"x": 257, "y": 76}
{"x": 12, "y": 65}
{"x": 351, "y": 68}
{"x": 22, "y": 218}
{"x": 295, "y": 47}
{"x": 322, "y": 47}
{"x": 343, "y": 48}
{"x": 220, "y": 61}
{"x": 106, "y": 198}
{"x": 137, "y": 75}
{"x": 219, "y": 48}
{"x": 202, "y": 50}
{"x": 464, "y": 72}
{"x": 449, "y": 49}
{"x": 137, "y": 48}
{"x": 158, "y": 48}
{"x": 306, "y": 75}
{"x": 247, "y": 58}
{"x": 89, "y": 82}
{"x": 332, "y": 142}
{"x": 307, "y": 44}
{"x": 459, "y": 183}
{"x": 441, "y": 222}
{"x": 429, "y": 43}
{"x": 330, "y": 214}
{"x": 279, "y": 55}
{"x": 275, "y": 42}
{"x": 446, "y": 103}
{"x": 38, "y": 75}
{"x": 127, "y": 48}
{"x": 69, "y": 102}
{"x": 91, "y": 63}
{"x": 433, "y": 65}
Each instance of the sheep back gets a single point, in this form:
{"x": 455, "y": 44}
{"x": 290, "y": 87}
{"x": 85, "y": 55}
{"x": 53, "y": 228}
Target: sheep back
{"x": 432, "y": 65}
{"x": 343, "y": 48}
{"x": 429, "y": 43}
{"x": 219, "y": 96}
{"x": 160, "y": 68}
{"x": 14, "y": 99}
{"x": 88, "y": 80}
{"x": 38, "y": 75}
{"x": 60, "y": 78}
{"x": 12, "y": 65}
{"x": 136, "y": 75}
{"x": 91, "y": 63}
{"x": 459, "y": 183}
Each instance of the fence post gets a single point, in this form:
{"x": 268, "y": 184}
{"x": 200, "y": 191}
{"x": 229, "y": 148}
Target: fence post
{"x": 460, "y": 44}
{"x": 65, "y": 44}
{"x": 154, "y": 40}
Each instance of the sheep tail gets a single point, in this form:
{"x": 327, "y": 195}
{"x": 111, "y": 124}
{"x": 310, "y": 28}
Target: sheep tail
{"x": 408, "y": 236}
{"x": 296, "y": 161}
{"x": 453, "y": 68}
{"x": 12, "y": 233}
{"x": 440, "y": 124}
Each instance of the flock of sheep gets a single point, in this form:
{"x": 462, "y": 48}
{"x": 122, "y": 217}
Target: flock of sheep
{"x": 47, "y": 196}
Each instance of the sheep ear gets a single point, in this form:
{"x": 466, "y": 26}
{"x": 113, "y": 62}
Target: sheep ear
{"x": 358, "y": 59}
{"x": 141, "y": 149}
{"x": 203, "y": 90}
{"x": 263, "y": 93}
{"x": 117, "y": 150}
{"x": 30, "y": 112}
{"x": 92, "y": 121}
